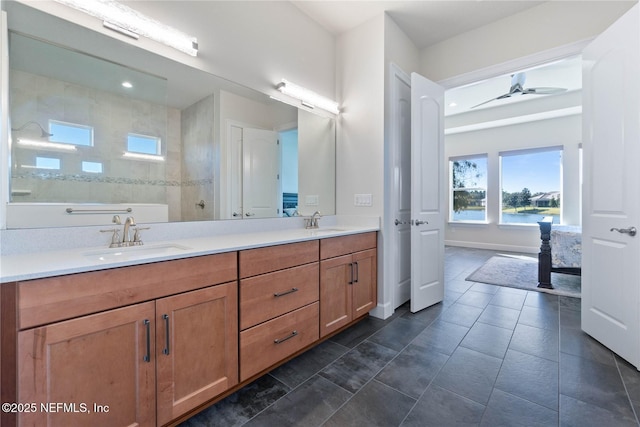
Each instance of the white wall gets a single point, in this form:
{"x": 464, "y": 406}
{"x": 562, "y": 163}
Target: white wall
{"x": 547, "y": 26}
{"x": 563, "y": 131}
{"x": 360, "y": 70}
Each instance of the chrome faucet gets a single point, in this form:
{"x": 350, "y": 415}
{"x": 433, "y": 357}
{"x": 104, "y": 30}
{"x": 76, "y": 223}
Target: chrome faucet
{"x": 312, "y": 222}
{"x": 126, "y": 236}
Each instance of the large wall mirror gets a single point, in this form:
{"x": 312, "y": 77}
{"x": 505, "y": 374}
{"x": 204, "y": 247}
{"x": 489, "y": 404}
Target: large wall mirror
{"x": 93, "y": 134}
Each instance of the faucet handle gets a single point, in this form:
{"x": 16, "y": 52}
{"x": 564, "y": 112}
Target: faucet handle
{"x": 136, "y": 234}
{"x": 115, "y": 238}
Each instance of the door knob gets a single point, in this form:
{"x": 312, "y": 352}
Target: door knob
{"x": 631, "y": 231}
{"x": 396, "y": 222}
{"x": 236, "y": 214}
{"x": 418, "y": 222}
{"x": 249, "y": 214}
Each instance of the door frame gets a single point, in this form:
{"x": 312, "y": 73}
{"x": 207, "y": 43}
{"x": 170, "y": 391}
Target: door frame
{"x": 385, "y": 294}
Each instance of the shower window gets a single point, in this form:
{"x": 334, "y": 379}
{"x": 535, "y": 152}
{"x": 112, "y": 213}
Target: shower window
{"x": 70, "y": 133}
{"x": 143, "y": 144}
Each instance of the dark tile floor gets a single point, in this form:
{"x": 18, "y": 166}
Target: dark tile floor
{"x": 486, "y": 355}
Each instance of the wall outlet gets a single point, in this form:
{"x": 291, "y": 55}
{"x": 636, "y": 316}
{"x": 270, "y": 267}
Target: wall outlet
{"x": 312, "y": 200}
{"x": 362, "y": 200}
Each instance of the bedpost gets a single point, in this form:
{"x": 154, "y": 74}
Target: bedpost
{"x": 544, "y": 257}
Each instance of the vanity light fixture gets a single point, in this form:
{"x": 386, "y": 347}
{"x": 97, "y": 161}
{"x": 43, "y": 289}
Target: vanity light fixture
{"x": 42, "y": 142}
{"x": 118, "y": 17}
{"x": 33, "y": 143}
{"x": 140, "y": 156}
{"x": 307, "y": 98}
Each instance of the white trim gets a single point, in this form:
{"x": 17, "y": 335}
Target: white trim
{"x": 545, "y": 115}
{"x": 492, "y": 246}
{"x": 518, "y": 64}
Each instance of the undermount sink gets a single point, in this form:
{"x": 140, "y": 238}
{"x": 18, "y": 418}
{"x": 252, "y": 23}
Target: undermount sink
{"x": 133, "y": 252}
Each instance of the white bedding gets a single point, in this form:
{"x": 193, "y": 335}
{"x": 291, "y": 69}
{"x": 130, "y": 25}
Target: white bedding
{"x": 566, "y": 246}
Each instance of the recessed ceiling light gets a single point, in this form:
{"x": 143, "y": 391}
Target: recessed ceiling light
{"x": 127, "y": 85}
{"x": 453, "y": 104}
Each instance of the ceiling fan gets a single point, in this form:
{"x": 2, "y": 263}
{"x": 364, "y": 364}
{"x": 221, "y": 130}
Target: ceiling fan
{"x": 517, "y": 88}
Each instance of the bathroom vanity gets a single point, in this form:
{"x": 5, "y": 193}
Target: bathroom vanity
{"x": 153, "y": 340}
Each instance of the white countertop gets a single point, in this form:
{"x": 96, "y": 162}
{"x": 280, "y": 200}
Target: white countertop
{"x": 26, "y": 266}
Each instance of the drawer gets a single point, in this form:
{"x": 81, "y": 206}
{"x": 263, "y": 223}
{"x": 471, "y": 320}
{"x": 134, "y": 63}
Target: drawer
{"x": 343, "y": 245}
{"x": 268, "y": 343}
{"x": 269, "y": 295}
{"x": 43, "y": 301}
{"x": 273, "y": 258}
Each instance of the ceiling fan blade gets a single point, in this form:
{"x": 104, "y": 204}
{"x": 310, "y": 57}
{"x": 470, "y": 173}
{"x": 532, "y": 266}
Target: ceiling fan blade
{"x": 544, "y": 90}
{"x": 506, "y": 95}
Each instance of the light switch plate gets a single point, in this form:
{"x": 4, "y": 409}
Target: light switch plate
{"x": 362, "y": 200}
{"x": 311, "y": 200}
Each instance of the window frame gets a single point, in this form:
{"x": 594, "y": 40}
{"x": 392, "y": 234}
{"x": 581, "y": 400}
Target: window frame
{"x": 522, "y": 152}
{"x": 73, "y": 126}
{"x": 452, "y": 190}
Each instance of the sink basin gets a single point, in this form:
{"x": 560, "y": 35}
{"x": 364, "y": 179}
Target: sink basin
{"x": 134, "y": 252}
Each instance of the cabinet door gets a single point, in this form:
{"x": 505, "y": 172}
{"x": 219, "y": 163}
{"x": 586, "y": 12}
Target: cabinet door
{"x": 335, "y": 293}
{"x": 365, "y": 290}
{"x": 103, "y": 359}
{"x": 197, "y": 348}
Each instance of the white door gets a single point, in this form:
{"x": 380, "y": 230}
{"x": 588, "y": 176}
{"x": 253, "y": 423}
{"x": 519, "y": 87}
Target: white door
{"x": 260, "y": 173}
{"x": 427, "y": 193}
{"x": 611, "y": 134}
{"x": 399, "y": 170}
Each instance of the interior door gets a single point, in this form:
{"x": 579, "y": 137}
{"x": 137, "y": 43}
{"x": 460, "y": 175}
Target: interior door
{"x": 427, "y": 193}
{"x": 399, "y": 215}
{"x": 260, "y": 173}
{"x": 611, "y": 206}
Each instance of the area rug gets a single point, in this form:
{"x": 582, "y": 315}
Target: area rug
{"x": 518, "y": 271}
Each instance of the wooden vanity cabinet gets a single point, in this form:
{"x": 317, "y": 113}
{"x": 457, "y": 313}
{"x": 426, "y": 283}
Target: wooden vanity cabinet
{"x": 143, "y": 364}
{"x": 279, "y": 310}
{"x": 103, "y": 359}
{"x": 196, "y": 348}
{"x": 348, "y": 280}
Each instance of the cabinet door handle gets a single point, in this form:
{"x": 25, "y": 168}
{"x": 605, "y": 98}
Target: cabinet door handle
{"x": 351, "y": 273}
{"x": 281, "y": 294}
{"x": 288, "y": 337}
{"x": 166, "y": 336}
{"x": 357, "y": 272}
{"x": 147, "y": 324}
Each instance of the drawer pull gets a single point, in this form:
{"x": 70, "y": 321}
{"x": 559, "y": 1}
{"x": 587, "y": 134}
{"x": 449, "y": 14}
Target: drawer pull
{"x": 166, "y": 339}
{"x": 281, "y": 294}
{"x": 147, "y": 357}
{"x": 281, "y": 340}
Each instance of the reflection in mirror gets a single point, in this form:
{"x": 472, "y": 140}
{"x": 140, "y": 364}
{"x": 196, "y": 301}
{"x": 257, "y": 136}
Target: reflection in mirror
{"x": 173, "y": 149}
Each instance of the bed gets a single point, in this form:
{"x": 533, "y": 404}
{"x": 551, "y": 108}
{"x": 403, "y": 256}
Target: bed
{"x": 560, "y": 251}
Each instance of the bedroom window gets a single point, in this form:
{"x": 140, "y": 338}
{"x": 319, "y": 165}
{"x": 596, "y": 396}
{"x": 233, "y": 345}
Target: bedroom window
{"x": 531, "y": 185}
{"x": 468, "y": 196}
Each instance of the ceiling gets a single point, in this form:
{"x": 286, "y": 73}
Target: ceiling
{"x": 427, "y": 22}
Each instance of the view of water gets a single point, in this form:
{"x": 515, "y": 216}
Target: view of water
{"x": 507, "y": 218}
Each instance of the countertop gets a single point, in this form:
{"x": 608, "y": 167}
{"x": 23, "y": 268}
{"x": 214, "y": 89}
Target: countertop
{"x": 27, "y": 266}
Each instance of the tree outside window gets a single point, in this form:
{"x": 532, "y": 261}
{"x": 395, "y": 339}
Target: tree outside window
{"x": 468, "y": 188}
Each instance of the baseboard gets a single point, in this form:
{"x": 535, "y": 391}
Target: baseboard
{"x": 382, "y": 311}
{"x": 493, "y": 246}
